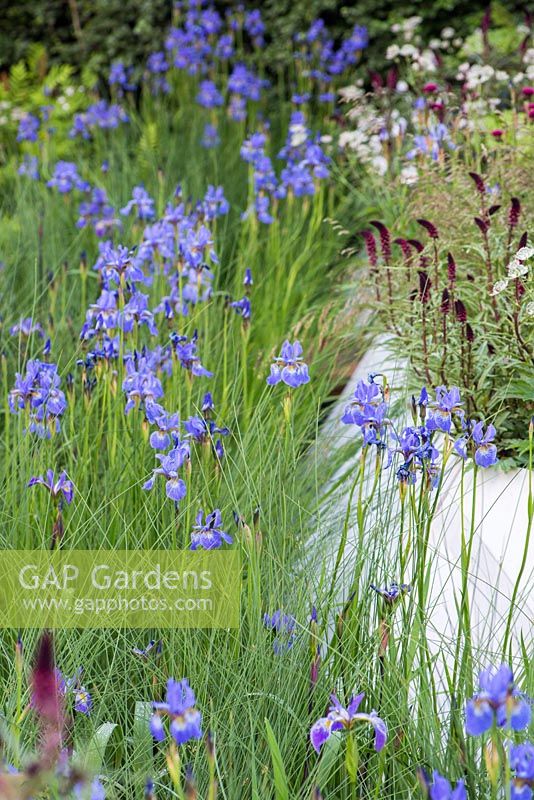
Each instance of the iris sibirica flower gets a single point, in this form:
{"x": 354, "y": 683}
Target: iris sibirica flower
{"x": 447, "y": 404}
{"x": 57, "y": 488}
{"x": 210, "y": 137}
{"x": 367, "y": 410}
{"x": 186, "y": 351}
{"x": 179, "y": 707}
{"x": 391, "y": 594}
{"x": 170, "y": 464}
{"x": 485, "y": 452}
{"x": 38, "y": 393}
{"x": 28, "y": 128}
{"x": 498, "y": 701}
{"x": 289, "y": 367}
{"x": 340, "y": 718}
{"x": 66, "y": 178}
{"x": 25, "y": 327}
{"x": 142, "y": 202}
{"x": 441, "y": 789}
{"x": 478, "y": 443}
{"x": 73, "y": 686}
{"x": 522, "y": 765}
{"x": 207, "y": 534}
{"x": 284, "y": 626}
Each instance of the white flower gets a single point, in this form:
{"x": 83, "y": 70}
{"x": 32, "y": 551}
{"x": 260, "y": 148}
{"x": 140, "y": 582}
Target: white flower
{"x": 380, "y": 164}
{"x": 408, "y": 50}
{"x": 524, "y": 253}
{"x": 447, "y": 33}
{"x": 529, "y": 309}
{"x": 299, "y": 135}
{"x": 499, "y": 287}
{"x": 392, "y": 52}
{"x": 349, "y": 94}
{"x": 401, "y": 87}
{"x": 516, "y": 269}
{"x": 409, "y": 175}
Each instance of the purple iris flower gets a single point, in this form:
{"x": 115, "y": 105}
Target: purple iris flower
{"x": 136, "y": 312}
{"x": 242, "y": 308}
{"x": 186, "y": 352}
{"x": 208, "y": 534}
{"x": 142, "y": 201}
{"x": 497, "y": 701}
{"x": 284, "y": 625}
{"x": 203, "y": 430}
{"x": 447, "y": 403}
{"x": 96, "y": 791}
{"x": 66, "y": 178}
{"x": 247, "y": 280}
{"x": 121, "y": 76}
{"x": 82, "y": 699}
{"x": 179, "y": 707}
{"x": 140, "y": 384}
{"x": 208, "y": 95}
{"x": 367, "y": 410}
{"x": 170, "y": 464}
{"x": 168, "y": 426}
{"x": 29, "y": 167}
{"x": 117, "y": 264}
{"x": 25, "y": 327}
{"x": 56, "y": 488}
{"x": 28, "y": 128}
{"x": 210, "y": 137}
{"x": 289, "y": 366}
{"x": 99, "y": 115}
{"x": 38, "y": 393}
{"x": 440, "y": 788}
{"x": 486, "y": 452}
{"x": 340, "y": 718}
{"x": 522, "y": 764}
{"x": 393, "y": 592}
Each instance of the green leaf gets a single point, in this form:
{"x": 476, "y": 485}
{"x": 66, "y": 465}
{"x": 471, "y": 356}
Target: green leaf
{"x": 280, "y": 777}
{"x": 105, "y": 747}
{"x": 142, "y": 761}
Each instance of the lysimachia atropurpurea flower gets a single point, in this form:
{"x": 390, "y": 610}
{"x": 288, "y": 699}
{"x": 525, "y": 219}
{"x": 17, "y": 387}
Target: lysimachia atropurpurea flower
{"x": 180, "y": 708}
{"x": 498, "y": 702}
{"x": 207, "y": 534}
{"x": 340, "y": 718}
{"x": 289, "y": 367}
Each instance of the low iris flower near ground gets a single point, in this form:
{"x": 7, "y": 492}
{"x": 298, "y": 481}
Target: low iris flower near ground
{"x": 340, "y": 718}
{"x": 180, "y": 708}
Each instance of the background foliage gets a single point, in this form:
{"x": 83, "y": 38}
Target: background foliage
{"x": 128, "y": 30}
